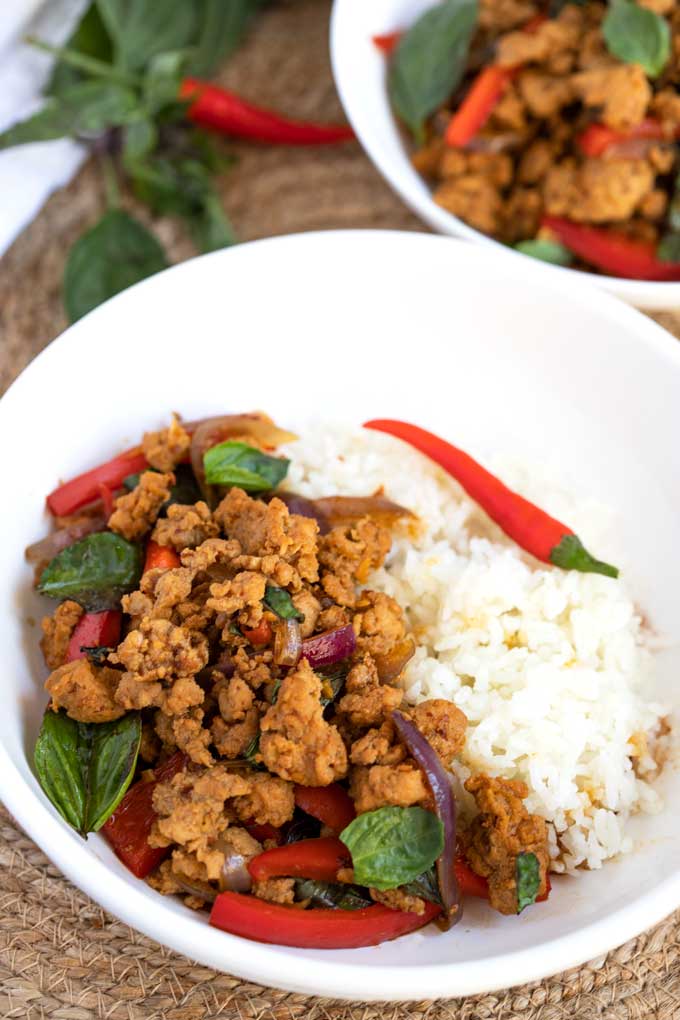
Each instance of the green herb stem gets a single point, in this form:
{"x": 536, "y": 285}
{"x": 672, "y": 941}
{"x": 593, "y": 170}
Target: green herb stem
{"x": 81, "y": 62}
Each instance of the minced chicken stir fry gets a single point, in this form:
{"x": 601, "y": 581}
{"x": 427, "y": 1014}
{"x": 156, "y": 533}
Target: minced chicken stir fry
{"x": 225, "y": 702}
{"x": 551, "y": 127}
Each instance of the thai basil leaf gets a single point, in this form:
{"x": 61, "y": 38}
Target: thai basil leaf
{"x": 669, "y": 247}
{"x": 210, "y": 227}
{"x": 636, "y": 35}
{"x": 426, "y": 886}
{"x": 429, "y": 62}
{"x": 280, "y": 602}
{"x": 162, "y": 79}
{"x": 85, "y": 109}
{"x": 90, "y": 39}
{"x": 184, "y": 491}
{"x": 303, "y": 827}
{"x": 528, "y": 876}
{"x": 141, "y": 29}
{"x": 139, "y": 140}
{"x": 233, "y": 463}
{"x": 223, "y": 26}
{"x": 393, "y": 845}
{"x": 96, "y": 654}
{"x": 116, "y": 253}
{"x": 547, "y": 251}
{"x": 332, "y": 681}
{"x": 332, "y": 894}
{"x": 95, "y": 572}
{"x": 85, "y": 768}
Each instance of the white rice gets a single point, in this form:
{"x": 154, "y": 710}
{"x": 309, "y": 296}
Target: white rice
{"x": 549, "y": 666}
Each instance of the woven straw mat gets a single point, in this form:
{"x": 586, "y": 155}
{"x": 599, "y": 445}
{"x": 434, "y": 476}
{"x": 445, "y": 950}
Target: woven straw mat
{"x": 61, "y": 956}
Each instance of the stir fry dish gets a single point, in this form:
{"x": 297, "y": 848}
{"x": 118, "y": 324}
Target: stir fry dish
{"x": 551, "y": 127}
{"x": 225, "y": 704}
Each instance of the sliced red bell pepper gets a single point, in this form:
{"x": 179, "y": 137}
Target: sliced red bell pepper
{"x": 260, "y": 635}
{"x": 85, "y": 488}
{"x": 387, "y": 42}
{"x": 94, "y": 630}
{"x": 611, "y": 251}
{"x": 262, "y": 921}
{"x": 598, "y": 138}
{"x": 473, "y": 113}
{"x": 263, "y": 831}
{"x": 472, "y": 884}
{"x": 332, "y": 805}
{"x": 160, "y": 557}
{"x": 128, "y": 828}
{"x": 320, "y": 859}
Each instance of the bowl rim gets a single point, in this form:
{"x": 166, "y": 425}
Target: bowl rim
{"x": 652, "y": 294}
{"x": 262, "y": 963}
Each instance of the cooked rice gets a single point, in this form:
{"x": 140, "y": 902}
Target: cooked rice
{"x": 549, "y": 666}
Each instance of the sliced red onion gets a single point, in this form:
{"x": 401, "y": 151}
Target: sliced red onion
{"x": 304, "y": 507}
{"x": 287, "y": 642}
{"x": 445, "y": 804}
{"x": 40, "y": 553}
{"x": 329, "y": 647}
{"x": 235, "y": 876}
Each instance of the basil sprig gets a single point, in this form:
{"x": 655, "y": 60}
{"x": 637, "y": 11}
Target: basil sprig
{"x": 95, "y": 572}
{"x": 393, "y": 845}
{"x": 547, "y": 251}
{"x": 429, "y": 62}
{"x": 85, "y": 768}
{"x": 528, "y": 877}
{"x": 280, "y": 602}
{"x": 637, "y": 35}
{"x": 234, "y": 463}
{"x": 337, "y": 895}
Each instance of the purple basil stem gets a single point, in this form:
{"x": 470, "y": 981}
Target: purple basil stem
{"x": 329, "y": 647}
{"x": 445, "y": 803}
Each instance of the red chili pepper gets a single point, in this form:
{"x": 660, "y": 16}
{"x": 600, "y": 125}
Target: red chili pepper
{"x": 264, "y": 831}
{"x": 332, "y": 805}
{"x": 85, "y": 488}
{"x": 612, "y": 251}
{"x": 262, "y": 921}
{"x": 260, "y": 635}
{"x": 217, "y": 108}
{"x": 472, "y": 884}
{"x": 387, "y": 42}
{"x": 106, "y": 496}
{"x": 320, "y": 859}
{"x": 160, "y": 557}
{"x": 94, "y": 630}
{"x": 473, "y": 113}
{"x": 128, "y": 828}
{"x": 598, "y": 138}
{"x": 533, "y": 529}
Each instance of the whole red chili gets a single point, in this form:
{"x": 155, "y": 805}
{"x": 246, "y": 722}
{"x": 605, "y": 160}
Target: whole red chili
{"x": 534, "y": 530}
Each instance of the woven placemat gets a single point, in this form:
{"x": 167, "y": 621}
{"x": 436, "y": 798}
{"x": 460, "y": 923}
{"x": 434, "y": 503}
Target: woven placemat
{"x": 61, "y": 956}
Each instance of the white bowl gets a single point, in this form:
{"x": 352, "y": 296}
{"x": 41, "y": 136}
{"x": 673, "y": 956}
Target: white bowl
{"x": 360, "y": 76}
{"x": 345, "y": 325}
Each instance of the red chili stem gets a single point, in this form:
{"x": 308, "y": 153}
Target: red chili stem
{"x": 221, "y": 110}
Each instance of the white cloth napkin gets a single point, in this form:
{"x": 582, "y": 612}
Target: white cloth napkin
{"x": 30, "y": 173}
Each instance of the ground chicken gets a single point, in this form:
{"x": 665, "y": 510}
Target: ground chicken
{"x": 185, "y": 732}
{"x": 297, "y": 743}
{"x": 545, "y": 94}
{"x": 474, "y": 199}
{"x": 87, "y": 692}
{"x": 243, "y": 595}
{"x": 620, "y": 94}
{"x": 57, "y": 631}
{"x": 550, "y": 38}
{"x": 501, "y": 15}
{"x": 165, "y": 449}
{"x": 347, "y": 555}
{"x": 268, "y": 801}
{"x": 185, "y": 527}
{"x": 135, "y": 513}
{"x": 536, "y": 161}
{"x": 398, "y": 899}
{"x": 401, "y": 785}
{"x": 598, "y": 190}
{"x": 378, "y": 623}
{"x": 502, "y": 830}
{"x": 378, "y": 747}
{"x": 190, "y": 808}
{"x": 276, "y": 890}
{"x": 443, "y": 725}
{"x": 158, "y": 650}
{"x": 167, "y": 588}
{"x": 370, "y": 706}
{"x": 238, "y": 724}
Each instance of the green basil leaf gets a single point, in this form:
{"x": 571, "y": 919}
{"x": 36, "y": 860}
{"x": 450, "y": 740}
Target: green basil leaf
{"x": 162, "y": 79}
{"x": 336, "y": 895}
{"x": 393, "y": 845}
{"x": 141, "y": 29}
{"x": 547, "y": 251}
{"x": 232, "y": 463}
{"x": 139, "y": 139}
{"x": 636, "y": 35}
{"x": 110, "y": 257}
{"x": 426, "y": 886}
{"x": 280, "y": 602}
{"x": 96, "y": 654}
{"x": 669, "y": 247}
{"x": 85, "y": 769}
{"x": 210, "y": 226}
{"x": 95, "y": 572}
{"x": 90, "y": 39}
{"x": 429, "y": 62}
{"x": 332, "y": 681}
{"x": 85, "y": 109}
{"x": 528, "y": 876}
{"x": 223, "y": 26}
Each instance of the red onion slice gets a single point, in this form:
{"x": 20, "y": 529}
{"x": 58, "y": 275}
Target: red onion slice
{"x": 445, "y": 803}
{"x": 329, "y": 647}
{"x": 287, "y": 642}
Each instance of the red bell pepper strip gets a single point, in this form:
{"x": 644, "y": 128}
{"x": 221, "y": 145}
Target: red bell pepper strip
{"x": 387, "y": 42}
{"x": 260, "y": 635}
{"x": 320, "y": 859}
{"x": 106, "y": 496}
{"x": 473, "y": 113}
{"x": 128, "y": 828}
{"x": 612, "y": 251}
{"x": 472, "y": 884}
{"x": 85, "y": 488}
{"x": 160, "y": 557}
{"x": 263, "y": 831}
{"x": 332, "y": 805}
{"x": 224, "y": 111}
{"x": 598, "y": 138}
{"x": 533, "y": 529}
{"x": 94, "y": 630}
{"x": 262, "y": 921}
